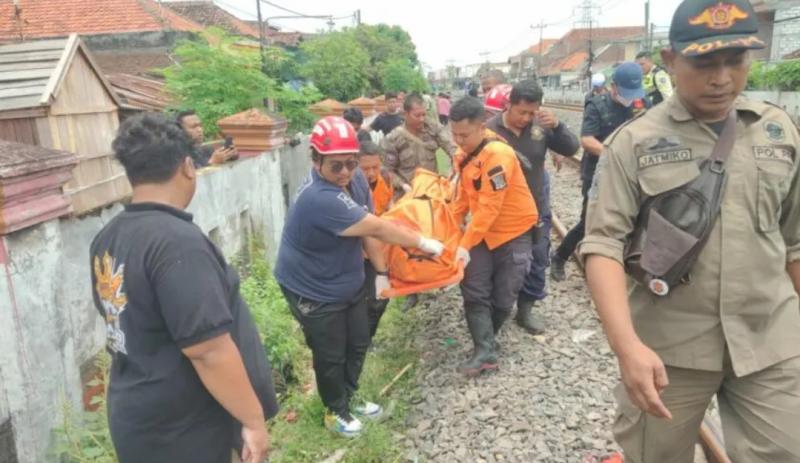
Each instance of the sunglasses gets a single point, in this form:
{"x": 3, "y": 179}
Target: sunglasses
{"x": 337, "y": 166}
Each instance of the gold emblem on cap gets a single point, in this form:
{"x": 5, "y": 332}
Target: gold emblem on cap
{"x": 719, "y": 16}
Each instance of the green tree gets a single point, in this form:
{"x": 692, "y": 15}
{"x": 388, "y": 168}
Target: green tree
{"x": 384, "y": 43}
{"x": 293, "y": 105}
{"x": 217, "y": 80}
{"x": 337, "y": 65}
{"x": 399, "y": 74}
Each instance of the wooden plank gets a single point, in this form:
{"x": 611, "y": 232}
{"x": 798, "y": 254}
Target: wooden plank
{"x": 19, "y": 103}
{"x": 8, "y": 67}
{"x": 25, "y": 75}
{"x": 22, "y": 83}
{"x": 84, "y": 111}
{"x": 26, "y": 112}
{"x": 81, "y": 90}
{"x": 23, "y": 57}
{"x": 39, "y": 45}
{"x": 56, "y": 78}
{"x": 27, "y": 90}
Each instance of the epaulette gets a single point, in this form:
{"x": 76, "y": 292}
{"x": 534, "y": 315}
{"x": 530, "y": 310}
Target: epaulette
{"x": 610, "y": 139}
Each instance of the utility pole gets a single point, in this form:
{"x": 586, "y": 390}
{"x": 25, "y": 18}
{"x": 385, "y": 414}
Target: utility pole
{"x": 541, "y": 27}
{"x": 358, "y": 17}
{"x": 647, "y": 33}
{"x": 261, "y": 37}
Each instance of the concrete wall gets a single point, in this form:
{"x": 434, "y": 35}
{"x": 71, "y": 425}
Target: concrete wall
{"x": 50, "y": 327}
{"x": 786, "y": 32}
{"x": 295, "y": 166}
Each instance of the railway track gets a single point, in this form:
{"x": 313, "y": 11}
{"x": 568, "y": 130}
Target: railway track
{"x": 710, "y": 435}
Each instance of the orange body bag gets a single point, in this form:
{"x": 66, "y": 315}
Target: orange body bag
{"x": 426, "y": 210}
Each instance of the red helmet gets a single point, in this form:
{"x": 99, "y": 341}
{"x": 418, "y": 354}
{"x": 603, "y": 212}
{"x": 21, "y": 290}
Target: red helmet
{"x": 497, "y": 98}
{"x": 334, "y": 135}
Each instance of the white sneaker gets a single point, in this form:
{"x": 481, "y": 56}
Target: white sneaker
{"x": 368, "y": 410}
{"x": 342, "y": 426}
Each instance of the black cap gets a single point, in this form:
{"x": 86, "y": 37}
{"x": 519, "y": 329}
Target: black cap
{"x": 705, "y": 26}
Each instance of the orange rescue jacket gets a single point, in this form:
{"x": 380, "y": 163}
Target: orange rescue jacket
{"x": 492, "y": 187}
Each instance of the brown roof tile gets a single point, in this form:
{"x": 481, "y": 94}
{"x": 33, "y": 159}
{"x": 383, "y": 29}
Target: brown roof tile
{"x": 206, "y": 13}
{"x": 56, "y": 18}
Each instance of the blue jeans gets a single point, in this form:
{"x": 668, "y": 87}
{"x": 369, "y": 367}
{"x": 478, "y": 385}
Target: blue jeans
{"x": 534, "y": 287}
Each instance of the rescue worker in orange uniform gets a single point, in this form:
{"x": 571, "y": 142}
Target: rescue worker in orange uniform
{"x": 379, "y": 179}
{"x": 496, "y": 246}
{"x": 380, "y": 185}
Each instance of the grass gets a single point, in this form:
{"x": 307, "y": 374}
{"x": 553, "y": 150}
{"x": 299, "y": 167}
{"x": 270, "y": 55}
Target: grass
{"x": 304, "y": 439}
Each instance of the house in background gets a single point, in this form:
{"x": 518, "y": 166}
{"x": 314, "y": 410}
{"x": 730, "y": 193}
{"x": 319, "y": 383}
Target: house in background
{"x": 526, "y": 64}
{"x": 125, "y": 36}
{"x": 566, "y": 62}
{"x": 779, "y": 26}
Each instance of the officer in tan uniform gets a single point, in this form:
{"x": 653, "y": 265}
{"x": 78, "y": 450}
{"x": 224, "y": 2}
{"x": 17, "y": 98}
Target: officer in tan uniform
{"x": 414, "y": 144}
{"x": 732, "y": 330}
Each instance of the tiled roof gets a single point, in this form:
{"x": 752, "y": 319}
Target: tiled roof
{"x": 136, "y": 62}
{"x": 570, "y": 63}
{"x": 604, "y": 33}
{"x": 58, "y": 18}
{"x": 544, "y": 46}
{"x": 206, "y": 13}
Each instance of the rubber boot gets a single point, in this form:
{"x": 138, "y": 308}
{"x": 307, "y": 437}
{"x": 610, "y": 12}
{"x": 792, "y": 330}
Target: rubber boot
{"x": 483, "y": 357}
{"x": 526, "y": 319}
{"x": 557, "y": 272}
{"x": 498, "y": 318}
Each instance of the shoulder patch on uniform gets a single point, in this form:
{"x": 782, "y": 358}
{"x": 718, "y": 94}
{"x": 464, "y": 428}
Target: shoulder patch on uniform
{"x": 781, "y": 153}
{"x": 494, "y": 170}
{"x": 774, "y": 131}
{"x": 498, "y": 180}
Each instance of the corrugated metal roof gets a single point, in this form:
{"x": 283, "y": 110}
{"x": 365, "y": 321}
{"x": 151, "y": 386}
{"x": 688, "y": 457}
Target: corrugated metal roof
{"x": 31, "y": 72}
{"x": 25, "y": 69}
{"x": 139, "y": 92}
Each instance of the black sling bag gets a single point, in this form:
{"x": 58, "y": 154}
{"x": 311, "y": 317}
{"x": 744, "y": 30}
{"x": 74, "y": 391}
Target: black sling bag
{"x": 672, "y": 227}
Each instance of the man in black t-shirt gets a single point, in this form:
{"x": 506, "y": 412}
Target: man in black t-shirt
{"x": 602, "y": 115}
{"x": 203, "y": 155}
{"x": 391, "y": 118}
{"x": 190, "y": 381}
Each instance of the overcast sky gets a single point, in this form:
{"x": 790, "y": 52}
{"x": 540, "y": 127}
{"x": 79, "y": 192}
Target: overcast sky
{"x": 446, "y": 30}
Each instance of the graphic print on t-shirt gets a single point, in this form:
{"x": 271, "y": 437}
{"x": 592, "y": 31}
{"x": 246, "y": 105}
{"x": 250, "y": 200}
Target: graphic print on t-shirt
{"x": 110, "y": 279}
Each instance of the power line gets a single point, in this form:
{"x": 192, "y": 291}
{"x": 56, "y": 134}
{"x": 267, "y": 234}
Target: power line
{"x": 284, "y": 8}
{"x": 233, "y": 8}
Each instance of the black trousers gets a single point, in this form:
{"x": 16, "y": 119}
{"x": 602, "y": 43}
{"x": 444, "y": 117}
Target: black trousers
{"x": 338, "y": 336}
{"x": 375, "y": 307}
{"x": 576, "y": 233}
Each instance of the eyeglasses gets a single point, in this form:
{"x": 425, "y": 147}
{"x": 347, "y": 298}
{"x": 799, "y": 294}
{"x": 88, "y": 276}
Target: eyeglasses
{"x": 337, "y": 166}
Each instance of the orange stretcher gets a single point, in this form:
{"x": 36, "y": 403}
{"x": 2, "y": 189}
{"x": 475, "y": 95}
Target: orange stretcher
{"x": 426, "y": 210}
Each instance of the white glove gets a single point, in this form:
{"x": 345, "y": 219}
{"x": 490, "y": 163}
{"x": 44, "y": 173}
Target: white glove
{"x": 430, "y": 246}
{"x": 406, "y": 187}
{"x": 381, "y": 284}
{"x": 463, "y": 255}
